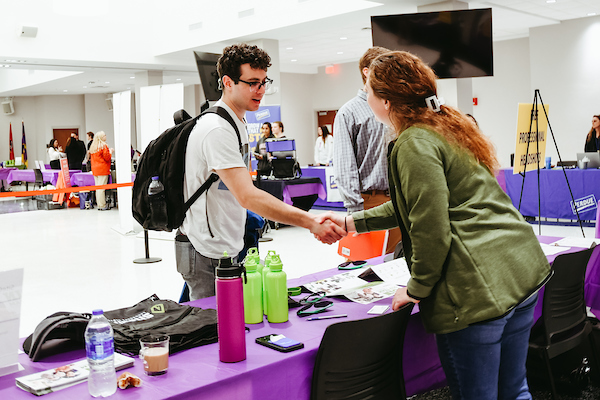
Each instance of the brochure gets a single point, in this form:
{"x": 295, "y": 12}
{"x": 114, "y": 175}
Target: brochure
{"x": 68, "y": 375}
{"x": 365, "y": 285}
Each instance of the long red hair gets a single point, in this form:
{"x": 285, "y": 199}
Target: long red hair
{"x": 406, "y": 81}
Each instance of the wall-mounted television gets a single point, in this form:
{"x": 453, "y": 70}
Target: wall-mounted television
{"x": 456, "y": 44}
{"x": 207, "y": 68}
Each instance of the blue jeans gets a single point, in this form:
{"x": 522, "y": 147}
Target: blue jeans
{"x": 487, "y": 360}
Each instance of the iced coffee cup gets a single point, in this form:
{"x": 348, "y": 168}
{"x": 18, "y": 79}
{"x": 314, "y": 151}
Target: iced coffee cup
{"x": 155, "y": 353}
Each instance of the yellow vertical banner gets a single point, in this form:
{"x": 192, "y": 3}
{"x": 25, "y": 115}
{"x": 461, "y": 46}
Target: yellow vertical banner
{"x": 539, "y": 129}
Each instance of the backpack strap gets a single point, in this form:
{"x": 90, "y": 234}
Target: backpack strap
{"x": 213, "y": 177}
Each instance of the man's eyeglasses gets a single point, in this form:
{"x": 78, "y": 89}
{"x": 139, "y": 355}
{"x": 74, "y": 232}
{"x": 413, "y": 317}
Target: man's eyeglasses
{"x": 255, "y": 86}
{"x": 352, "y": 264}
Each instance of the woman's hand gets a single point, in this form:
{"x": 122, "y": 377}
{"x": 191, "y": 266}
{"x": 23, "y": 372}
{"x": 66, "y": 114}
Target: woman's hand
{"x": 401, "y": 298}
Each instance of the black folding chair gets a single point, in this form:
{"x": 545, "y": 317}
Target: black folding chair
{"x": 362, "y": 359}
{"x": 564, "y": 324}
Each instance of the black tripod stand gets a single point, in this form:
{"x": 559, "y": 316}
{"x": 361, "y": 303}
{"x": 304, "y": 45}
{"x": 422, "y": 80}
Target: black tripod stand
{"x": 534, "y": 116}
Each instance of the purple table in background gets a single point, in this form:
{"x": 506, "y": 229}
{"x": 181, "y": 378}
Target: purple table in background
{"x": 28, "y": 175}
{"x": 87, "y": 179}
{"x": 300, "y": 192}
{"x": 554, "y": 192}
{"x": 265, "y": 374}
{"x": 319, "y": 172}
{"x": 4, "y": 175}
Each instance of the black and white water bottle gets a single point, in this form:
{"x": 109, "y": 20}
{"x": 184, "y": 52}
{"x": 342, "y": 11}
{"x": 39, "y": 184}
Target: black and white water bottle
{"x": 158, "y": 205}
{"x": 100, "y": 350}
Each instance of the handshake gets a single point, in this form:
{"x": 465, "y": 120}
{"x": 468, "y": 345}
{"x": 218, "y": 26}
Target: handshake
{"x": 330, "y": 227}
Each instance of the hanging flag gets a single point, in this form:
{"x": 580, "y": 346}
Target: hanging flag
{"x": 10, "y": 145}
{"x": 24, "y": 147}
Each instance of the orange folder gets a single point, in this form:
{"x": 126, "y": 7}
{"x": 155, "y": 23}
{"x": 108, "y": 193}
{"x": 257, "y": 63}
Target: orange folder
{"x": 363, "y": 246}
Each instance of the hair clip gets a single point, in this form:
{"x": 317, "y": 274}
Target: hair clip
{"x": 433, "y": 103}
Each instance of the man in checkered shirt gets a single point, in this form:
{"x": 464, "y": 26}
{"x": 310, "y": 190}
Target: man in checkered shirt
{"x": 360, "y": 152}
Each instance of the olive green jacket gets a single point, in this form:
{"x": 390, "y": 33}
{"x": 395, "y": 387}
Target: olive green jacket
{"x": 472, "y": 256}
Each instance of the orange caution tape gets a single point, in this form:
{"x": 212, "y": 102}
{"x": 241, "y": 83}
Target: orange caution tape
{"x": 64, "y": 190}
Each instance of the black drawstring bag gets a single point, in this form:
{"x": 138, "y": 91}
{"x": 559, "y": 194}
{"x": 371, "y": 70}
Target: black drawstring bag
{"x": 186, "y": 326}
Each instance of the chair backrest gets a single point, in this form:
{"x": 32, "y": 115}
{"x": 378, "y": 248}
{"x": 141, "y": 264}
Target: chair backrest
{"x": 39, "y": 177}
{"x": 564, "y": 303}
{"x": 362, "y": 359}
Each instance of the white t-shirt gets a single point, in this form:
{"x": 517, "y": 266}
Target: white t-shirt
{"x": 213, "y": 145}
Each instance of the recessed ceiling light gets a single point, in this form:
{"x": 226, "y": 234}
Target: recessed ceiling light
{"x": 178, "y": 79}
{"x": 343, "y": 38}
{"x": 132, "y": 77}
{"x": 85, "y": 87}
{"x": 591, "y": 14}
{"x": 65, "y": 90}
{"x": 294, "y": 60}
{"x": 550, "y": 1}
{"x": 106, "y": 82}
{"x": 340, "y": 52}
{"x": 289, "y": 48}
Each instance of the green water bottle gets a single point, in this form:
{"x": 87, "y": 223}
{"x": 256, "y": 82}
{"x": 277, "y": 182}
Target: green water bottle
{"x": 253, "y": 303}
{"x": 268, "y": 258}
{"x": 253, "y": 253}
{"x": 276, "y": 284}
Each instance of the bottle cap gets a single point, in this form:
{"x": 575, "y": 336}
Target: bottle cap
{"x": 253, "y": 254}
{"x": 98, "y": 312}
{"x": 275, "y": 264}
{"x": 269, "y": 256}
{"x": 250, "y": 264}
{"x": 155, "y": 178}
{"x": 227, "y": 269}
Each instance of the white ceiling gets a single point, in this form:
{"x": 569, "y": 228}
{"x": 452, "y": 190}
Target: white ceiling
{"x": 102, "y": 51}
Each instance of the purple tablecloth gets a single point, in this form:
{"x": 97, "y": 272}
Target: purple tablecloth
{"x": 265, "y": 374}
{"x": 4, "y": 172}
{"x": 554, "y": 192}
{"x": 28, "y": 175}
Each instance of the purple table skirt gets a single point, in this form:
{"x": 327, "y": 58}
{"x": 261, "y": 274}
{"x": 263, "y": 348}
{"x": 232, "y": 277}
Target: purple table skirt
{"x": 28, "y": 175}
{"x": 554, "y": 193}
{"x": 319, "y": 172}
{"x": 304, "y": 189}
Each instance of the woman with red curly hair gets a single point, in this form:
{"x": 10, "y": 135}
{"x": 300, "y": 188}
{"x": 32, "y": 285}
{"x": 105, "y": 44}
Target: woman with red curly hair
{"x": 476, "y": 265}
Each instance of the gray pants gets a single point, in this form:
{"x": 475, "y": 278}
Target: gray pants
{"x": 197, "y": 270}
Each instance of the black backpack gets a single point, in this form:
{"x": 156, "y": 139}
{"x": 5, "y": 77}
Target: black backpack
{"x": 165, "y": 157}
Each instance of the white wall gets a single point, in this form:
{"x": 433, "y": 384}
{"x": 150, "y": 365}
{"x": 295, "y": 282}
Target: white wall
{"x": 97, "y": 118}
{"x": 564, "y": 67}
{"x": 498, "y": 96}
{"x": 297, "y": 113}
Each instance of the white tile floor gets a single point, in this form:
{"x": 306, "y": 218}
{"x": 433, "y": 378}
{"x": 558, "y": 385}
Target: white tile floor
{"x": 75, "y": 261}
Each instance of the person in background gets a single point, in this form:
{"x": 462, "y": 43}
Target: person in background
{"x": 324, "y": 147}
{"x": 90, "y": 137}
{"x": 592, "y": 141}
{"x": 75, "y": 151}
{"x": 100, "y": 156}
{"x": 278, "y": 129}
{"x": 55, "y": 153}
{"x": 260, "y": 151}
{"x": 359, "y": 152}
{"x": 456, "y": 222}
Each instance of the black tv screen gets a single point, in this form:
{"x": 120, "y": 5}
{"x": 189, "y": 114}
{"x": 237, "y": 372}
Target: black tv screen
{"x": 207, "y": 69}
{"x": 456, "y": 44}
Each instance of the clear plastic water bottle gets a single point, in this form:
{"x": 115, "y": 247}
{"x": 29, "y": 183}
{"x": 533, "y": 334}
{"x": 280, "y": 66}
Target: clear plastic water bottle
{"x": 100, "y": 349}
{"x": 158, "y": 205}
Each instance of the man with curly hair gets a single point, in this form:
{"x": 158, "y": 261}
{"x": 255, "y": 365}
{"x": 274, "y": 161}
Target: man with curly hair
{"x": 215, "y": 223}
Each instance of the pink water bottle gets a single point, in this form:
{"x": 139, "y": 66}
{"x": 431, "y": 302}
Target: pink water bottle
{"x": 230, "y": 311}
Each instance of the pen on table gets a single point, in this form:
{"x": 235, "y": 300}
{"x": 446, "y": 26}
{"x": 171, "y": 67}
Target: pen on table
{"x": 327, "y": 317}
